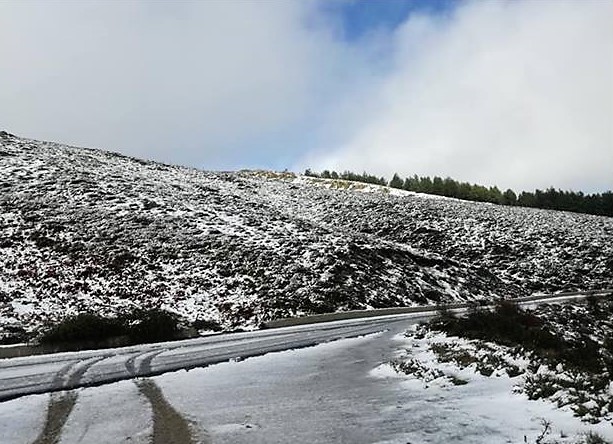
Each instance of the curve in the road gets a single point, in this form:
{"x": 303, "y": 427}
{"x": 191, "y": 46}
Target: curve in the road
{"x": 32, "y": 375}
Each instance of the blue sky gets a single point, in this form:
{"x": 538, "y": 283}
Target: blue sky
{"x": 513, "y": 93}
{"x": 361, "y": 17}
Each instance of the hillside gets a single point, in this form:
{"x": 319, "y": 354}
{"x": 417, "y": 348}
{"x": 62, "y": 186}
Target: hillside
{"x": 84, "y": 229}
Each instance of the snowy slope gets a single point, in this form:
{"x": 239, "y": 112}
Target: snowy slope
{"x": 84, "y": 229}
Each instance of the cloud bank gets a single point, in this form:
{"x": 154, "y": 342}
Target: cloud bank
{"x": 202, "y": 83}
{"x": 513, "y": 93}
{"x": 518, "y": 94}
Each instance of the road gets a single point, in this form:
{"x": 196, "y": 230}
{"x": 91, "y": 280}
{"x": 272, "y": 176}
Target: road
{"x": 78, "y": 379}
{"x": 309, "y": 395}
{"x": 63, "y": 371}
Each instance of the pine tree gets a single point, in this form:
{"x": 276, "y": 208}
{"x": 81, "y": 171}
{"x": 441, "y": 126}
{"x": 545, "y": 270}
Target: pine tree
{"x": 396, "y": 181}
{"x": 509, "y": 197}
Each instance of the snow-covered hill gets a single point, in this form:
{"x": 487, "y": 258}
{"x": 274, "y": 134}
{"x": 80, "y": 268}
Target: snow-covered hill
{"x": 84, "y": 229}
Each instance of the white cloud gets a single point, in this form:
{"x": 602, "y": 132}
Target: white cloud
{"x": 201, "y": 83}
{"x": 517, "y": 93}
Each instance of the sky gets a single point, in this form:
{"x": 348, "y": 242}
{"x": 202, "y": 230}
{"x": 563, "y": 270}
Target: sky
{"x": 514, "y": 93}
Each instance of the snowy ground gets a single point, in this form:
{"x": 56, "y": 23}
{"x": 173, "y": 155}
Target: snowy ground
{"x": 335, "y": 392}
{"x": 494, "y": 402}
{"x": 88, "y": 230}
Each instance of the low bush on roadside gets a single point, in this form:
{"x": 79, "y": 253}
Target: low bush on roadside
{"x": 594, "y": 438}
{"x": 13, "y": 334}
{"x": 206, "y": 324}
{"x": 84, "y": 327}
{"x": 153, "y": 325}
{"x": 509, "y": 325}
{"x": 95, "y": 331}
{"x": 569, "y": 349}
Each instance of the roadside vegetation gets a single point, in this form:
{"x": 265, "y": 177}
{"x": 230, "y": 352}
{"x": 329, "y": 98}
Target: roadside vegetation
{"x": 559, "y": 353}
{"x": 510, "y": 325}
{"x": 545, "y": 438}
{"x": 139, "y": 326}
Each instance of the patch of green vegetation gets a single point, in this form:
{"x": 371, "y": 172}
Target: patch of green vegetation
{"x": 341, "y": 184}
{"x": 281, "y": 175}
{"x": 413, "y": 367}
{"x": 449, "y": 353}
{"x": 457, "y": 381}
{"x": 485, "y": 360}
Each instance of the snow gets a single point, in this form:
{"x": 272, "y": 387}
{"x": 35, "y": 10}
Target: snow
{"x": 21, "y": 420}
{"x": 84, "y": 229}
{"x": 342, "y": 391}
{"x": 117, "y": 413}
{"x": 49, "y": 368}
{"x": 253, "y": 411}
{"x": 482, "y": 406}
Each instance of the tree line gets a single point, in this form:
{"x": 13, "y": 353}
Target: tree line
{"x": 597, "y": 203}
{"x": 348, "y": 175}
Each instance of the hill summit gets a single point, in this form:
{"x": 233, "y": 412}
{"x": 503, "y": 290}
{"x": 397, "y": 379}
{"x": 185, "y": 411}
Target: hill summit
{"x": 90, "y": 230}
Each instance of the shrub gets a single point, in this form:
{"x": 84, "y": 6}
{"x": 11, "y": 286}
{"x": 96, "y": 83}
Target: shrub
{"x": 509, "y": 325}
{"x": 593, "y": 438}
{"x": 206, "y": 324}
{"x": 540, "y": 386}
{"x": 153, "y": 325}
{"x": 94, "y": 331}
{"x": 13, "y": 334}
{"x": 84, "y": 327}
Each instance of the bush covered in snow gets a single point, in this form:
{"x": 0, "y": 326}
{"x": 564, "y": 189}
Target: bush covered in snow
{"x": 84, "y": 327}
{"x": 558, "y": 353}
{"x": 508, "y": 324}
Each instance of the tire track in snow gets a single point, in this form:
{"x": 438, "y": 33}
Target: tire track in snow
{"x": 75, "y": 378}
{"x": 60, "y": 407}
{"x": 169, "y": 426}
{"x": 145, "y": 365}
{"x": 62, "y": 403}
